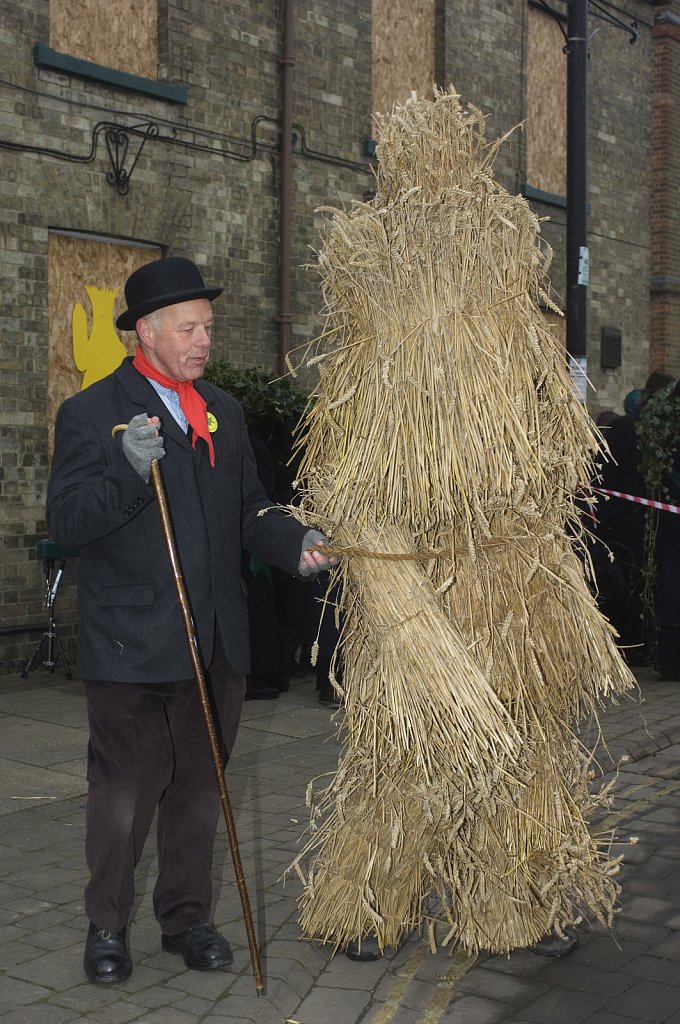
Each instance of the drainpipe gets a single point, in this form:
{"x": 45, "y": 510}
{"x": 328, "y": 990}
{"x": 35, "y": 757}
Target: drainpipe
{"x": 286, "y": 64}
{"x": 577, "y": 191}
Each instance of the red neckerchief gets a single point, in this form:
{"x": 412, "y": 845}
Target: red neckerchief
{"x": 191, "y": 403}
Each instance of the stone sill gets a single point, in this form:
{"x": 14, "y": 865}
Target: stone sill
{"x": 539, "y": 196}
{"x": 45, "y": 57}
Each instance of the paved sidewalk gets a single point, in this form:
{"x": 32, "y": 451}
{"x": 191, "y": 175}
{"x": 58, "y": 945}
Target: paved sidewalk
{"x": 633, "y": 976}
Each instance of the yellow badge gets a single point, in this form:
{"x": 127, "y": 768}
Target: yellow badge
{"x": 212, "y": 423}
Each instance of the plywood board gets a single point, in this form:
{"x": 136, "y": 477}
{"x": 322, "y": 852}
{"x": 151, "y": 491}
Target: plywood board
{"x": 123, "y": 35}
{"x": 85, "y": 295}
{"x": 547, "y": 104}
{"x": 403, "y": 51}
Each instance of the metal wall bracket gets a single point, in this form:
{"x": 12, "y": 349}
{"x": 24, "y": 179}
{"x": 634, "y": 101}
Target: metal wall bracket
{"x": 118, "y": 145}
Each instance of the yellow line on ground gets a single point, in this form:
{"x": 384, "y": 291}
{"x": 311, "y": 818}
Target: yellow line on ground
{"x": 401, "y": 983}
{"x": 441, "y": 997}
{"x": 671, "y": 772}
{"x": 626, "y": 794}
{"x": 612, "y": 820}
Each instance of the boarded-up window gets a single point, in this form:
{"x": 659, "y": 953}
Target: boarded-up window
{"x": 547, "y": 104}
{"x": 403, "y": 51}
{"x": 121, "y": 35}
{"x": 85, "y": 295}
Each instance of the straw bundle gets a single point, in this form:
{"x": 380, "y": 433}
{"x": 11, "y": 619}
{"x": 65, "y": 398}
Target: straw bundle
{"x": 442, "y": 454}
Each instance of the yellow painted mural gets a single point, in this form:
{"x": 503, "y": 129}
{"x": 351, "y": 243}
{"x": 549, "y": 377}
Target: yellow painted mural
{"x": 85, "y": 282}
{"x": 98, "y": 351}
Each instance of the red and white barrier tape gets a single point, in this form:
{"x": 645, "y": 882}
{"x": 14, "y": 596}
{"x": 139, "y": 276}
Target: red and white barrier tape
{"x": 640, "y": 501}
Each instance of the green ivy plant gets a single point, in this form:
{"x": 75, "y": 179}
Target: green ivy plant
{"x": 658, "y": 431}
{"x": 267, "y": 404}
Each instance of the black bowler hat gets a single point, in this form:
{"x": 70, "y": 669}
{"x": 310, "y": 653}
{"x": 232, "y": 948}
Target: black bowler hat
{"x": 162, "y": 283}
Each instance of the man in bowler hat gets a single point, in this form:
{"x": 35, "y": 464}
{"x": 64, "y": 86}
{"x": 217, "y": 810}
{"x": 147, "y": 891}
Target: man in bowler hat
{"x": 148, "y": 749}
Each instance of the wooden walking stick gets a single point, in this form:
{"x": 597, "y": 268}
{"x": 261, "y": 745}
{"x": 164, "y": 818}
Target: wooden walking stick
{"x": 192, "y": 644}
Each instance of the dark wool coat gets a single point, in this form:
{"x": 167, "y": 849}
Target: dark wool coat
{"x": 130, "y": 625}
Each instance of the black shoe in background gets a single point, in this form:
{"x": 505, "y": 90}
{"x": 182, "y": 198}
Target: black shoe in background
{"x": 260, "y": 693}
{"x": 328, "y": 698}
{"x": 258, "y": 688}
{"x": 554, "y": 944}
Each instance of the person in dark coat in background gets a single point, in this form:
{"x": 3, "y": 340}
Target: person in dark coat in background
{"x": 631, "y": 401}
{"x": 268, "y": 668}
{"x": 611, "y": 574}
{"x": 148, "y": 748}
{"x": 605, "y": 419}
{"x": 325, "y": 630}
{"x": 624, "y": 521}
{"x": 667, "y": 589}
{"x": 294, "y": 600}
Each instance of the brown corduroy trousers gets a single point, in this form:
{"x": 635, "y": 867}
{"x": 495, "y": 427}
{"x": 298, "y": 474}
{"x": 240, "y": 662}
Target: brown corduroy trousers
{"x": 149, "y": 749}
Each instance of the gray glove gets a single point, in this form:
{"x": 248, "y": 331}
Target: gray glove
{"x": 142, "y": 445}
{"x": 311, "y": 538}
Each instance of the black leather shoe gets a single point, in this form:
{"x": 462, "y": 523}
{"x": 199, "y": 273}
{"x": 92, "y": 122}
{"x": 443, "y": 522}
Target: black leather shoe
{"x": 364, "y": 949}
{"x": 260, "y": 693}
{"x": 106, "y": 957}
{"x": 202, "y": 947}
{"x": 328, "y": 698}
{"x": 554, "y": 944}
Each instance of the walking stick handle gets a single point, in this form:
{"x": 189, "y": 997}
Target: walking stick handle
{"x": 192, "y": 645}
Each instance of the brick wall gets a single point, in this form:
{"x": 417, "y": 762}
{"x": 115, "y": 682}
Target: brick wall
{"x": 619, "y": 237}
{"x": 482, "y": 56}
{"x": 190, "y": 193}
{"x": 483, "y": 53}
{"x": 203, "y": 191}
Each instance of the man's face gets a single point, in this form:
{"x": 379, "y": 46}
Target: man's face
{"x": 177, "y": 339}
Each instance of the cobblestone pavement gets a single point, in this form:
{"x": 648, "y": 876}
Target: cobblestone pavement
{"x": 632, "y": 975}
